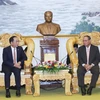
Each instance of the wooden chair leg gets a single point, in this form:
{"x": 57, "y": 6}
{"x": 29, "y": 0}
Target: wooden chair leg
{"x": 75, "y": 85}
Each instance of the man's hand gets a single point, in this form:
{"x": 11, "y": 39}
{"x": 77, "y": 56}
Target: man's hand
{"x": 87, "y": 67}
{"x": 18, "y": 65}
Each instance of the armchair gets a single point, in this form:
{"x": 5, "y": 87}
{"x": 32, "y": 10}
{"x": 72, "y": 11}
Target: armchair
{"x": 23, "y": 41}
{"x": 95, "y": 39}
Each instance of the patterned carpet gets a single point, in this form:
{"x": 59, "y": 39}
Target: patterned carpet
{"x": 57, "y": 94}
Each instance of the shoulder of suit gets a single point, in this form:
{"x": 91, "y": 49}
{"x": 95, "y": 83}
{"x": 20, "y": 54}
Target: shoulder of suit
{"x": 7, "y": 47}
{"x": 19, "y": 47}
{"x": 94, "y": 46}
{"x": 81, "y": 47}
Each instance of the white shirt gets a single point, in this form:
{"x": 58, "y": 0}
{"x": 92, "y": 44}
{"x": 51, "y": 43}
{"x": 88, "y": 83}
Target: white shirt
{"x": 88, "y": 49}
{"x": 12, "y": 48}
{"x": 88, "y": 53}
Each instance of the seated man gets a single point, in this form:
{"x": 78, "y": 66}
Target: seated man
{"x": 13, "y": 61}
{"x": 88, "y": 57}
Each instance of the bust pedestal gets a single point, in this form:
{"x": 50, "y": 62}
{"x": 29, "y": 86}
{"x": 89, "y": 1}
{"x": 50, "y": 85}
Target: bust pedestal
{"x": 49, "y": 48}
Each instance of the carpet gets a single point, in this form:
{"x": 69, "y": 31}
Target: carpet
{"x": 57, "y": 94}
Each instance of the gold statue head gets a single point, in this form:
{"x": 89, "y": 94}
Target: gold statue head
{"x": 48, "y": 16}
{"x": 48, "y": 28}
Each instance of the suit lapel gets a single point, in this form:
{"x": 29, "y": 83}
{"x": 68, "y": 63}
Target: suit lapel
{"x": 17, "y": 53}
{"x": 90, "y": 55}
{"x": 10, "y": 53}
{"x": 84, "y": 54}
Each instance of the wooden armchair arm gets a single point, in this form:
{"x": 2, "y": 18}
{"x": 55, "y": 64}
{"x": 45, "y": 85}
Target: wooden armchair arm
{"x": 30, "y": 53}
{"x": 71, "y": 52}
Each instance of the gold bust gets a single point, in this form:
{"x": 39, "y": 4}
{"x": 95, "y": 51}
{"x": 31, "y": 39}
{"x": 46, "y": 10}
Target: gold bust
{"x": 48, "y": 28}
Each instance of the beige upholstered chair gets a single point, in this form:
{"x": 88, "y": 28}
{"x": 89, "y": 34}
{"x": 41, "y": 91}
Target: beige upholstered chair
{"x": 23, "y": 41}
{"x": 95, "y": 37}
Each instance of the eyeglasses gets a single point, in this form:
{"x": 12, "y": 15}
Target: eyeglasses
{"x": 85, "y": 40}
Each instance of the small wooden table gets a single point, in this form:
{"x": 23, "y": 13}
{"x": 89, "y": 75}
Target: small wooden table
{"x": 61, "y": 75}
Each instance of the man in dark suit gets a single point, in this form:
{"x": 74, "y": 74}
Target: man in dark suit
{"x": 13, "y": 61}
{"x": 88, "y": 57}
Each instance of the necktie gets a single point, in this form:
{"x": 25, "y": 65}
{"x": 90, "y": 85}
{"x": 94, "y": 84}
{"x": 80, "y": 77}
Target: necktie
{"x": 88, "y": 53}
{"x": 14, "y": 55}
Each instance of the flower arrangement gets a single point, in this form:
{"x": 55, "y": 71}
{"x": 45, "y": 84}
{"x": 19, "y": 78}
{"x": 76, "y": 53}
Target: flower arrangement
{"x": 51, "y": 66}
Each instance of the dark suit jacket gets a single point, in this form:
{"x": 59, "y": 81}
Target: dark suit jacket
{"x": 8, "y": 58}
{"x": 94, "y": 55}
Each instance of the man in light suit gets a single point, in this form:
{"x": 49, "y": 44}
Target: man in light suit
{"x": 13, "y": 61}
{"x": 88, "y": 57}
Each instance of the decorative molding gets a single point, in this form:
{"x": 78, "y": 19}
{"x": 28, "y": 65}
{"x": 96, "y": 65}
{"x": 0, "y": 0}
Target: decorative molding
{"x": 60, "y": 36}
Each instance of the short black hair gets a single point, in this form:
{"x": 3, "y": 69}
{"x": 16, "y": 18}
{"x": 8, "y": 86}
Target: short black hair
{"x": 12, "y": 39}
{"x": 75, "y": 45}
{"x": 25, "y": 49}
{"x": 89, "y": 38}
